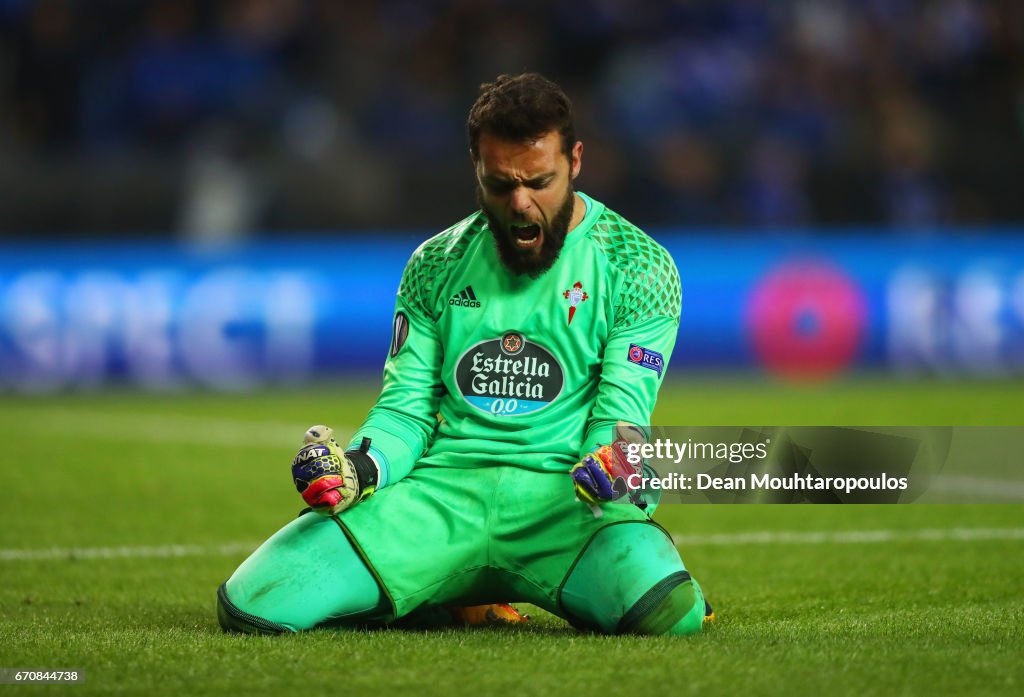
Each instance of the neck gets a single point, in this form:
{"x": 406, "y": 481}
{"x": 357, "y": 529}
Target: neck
{"x": 579, "y": 211}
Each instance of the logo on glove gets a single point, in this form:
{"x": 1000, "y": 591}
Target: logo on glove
{"x": 320, "y": 475}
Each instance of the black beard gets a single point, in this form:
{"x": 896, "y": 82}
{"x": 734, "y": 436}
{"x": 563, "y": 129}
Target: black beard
{"x": 521, "y": 263}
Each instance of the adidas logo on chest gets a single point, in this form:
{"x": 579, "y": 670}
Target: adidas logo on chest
{"x": 464, "y": 298}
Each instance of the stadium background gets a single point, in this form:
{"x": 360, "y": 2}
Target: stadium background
{"x": 838, "y": 181}
{"x": 205, "y": 209}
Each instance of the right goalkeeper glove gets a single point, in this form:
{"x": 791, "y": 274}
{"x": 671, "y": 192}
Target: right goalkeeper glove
{"x": 329, "y": 480}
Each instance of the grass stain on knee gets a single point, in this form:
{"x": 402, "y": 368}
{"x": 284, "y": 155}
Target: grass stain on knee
{"x": 266, "y": 588}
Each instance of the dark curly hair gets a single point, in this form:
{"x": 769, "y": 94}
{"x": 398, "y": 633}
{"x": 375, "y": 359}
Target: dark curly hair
{"x": 521, "y": 107}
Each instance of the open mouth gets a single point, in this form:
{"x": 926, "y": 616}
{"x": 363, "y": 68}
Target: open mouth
{"x": 526, "y": 235}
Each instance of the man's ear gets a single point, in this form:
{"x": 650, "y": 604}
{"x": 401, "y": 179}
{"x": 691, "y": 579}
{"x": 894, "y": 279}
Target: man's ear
{"x": 576, "y": 159}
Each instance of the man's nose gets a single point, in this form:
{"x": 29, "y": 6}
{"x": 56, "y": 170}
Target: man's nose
{"x": 520, "y": 200}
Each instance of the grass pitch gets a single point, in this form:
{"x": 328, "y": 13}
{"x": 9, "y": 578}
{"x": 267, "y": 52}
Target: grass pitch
{"x": 122, "y": 513}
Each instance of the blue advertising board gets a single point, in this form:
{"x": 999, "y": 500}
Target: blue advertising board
{"x": 161, "y": 315}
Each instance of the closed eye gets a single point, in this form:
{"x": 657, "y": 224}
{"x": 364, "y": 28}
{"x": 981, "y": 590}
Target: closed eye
{"x": 503, "y": 186}
{"x": 496, "y": 187}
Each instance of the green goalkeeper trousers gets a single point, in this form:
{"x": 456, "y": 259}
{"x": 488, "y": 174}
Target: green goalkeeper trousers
{"x": 467, "y": 537}
{"x": 306, "y": 575}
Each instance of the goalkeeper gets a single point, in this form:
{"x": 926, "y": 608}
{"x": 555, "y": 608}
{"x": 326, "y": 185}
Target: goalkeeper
{"x": 522, "y": 336}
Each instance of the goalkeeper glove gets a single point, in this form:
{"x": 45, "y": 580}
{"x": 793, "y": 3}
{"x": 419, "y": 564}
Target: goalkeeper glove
{"x": 597, "y": 478}
{"x": 604, "y": 475}
{"x": 330, "y": 480}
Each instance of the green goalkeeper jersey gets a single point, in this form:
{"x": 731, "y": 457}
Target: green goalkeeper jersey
{"x": 491, "y": 368}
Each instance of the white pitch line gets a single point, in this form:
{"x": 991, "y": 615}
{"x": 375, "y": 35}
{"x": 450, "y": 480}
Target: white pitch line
{"x": 714, "y": 540}
{"x": 848, "y": 536}
{"x": 156, "y": 552}
{"x": 122, "y": 426}
{"x": 170, "y": 428}
{"x": 998, "y": 489}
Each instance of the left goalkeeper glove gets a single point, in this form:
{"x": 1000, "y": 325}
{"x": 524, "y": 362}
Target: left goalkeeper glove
{"x": 329, "y": 480}
{"x": 599, "y": 477}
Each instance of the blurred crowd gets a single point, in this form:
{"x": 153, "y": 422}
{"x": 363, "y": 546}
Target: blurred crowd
{"x": 218, "y": 118}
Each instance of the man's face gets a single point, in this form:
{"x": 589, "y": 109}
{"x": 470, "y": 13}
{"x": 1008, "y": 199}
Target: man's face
{"x": 525, "y": 190}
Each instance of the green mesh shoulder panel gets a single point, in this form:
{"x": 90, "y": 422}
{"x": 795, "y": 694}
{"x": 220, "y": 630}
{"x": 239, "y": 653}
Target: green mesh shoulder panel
{"x": 428, "y": 264}
{"x": 651, "y": 281}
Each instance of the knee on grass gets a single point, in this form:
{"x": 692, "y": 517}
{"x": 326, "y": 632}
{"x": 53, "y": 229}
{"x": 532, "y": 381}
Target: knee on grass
{"x": 672, "y": 607}
{"x": 236, "y": 621}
